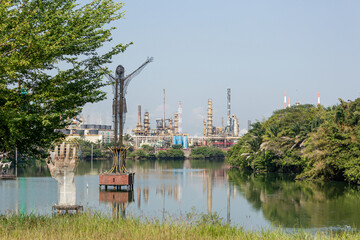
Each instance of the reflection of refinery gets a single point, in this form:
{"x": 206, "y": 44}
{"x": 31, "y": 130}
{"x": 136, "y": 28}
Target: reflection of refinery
{"x": 210, "y": 179}
{"x": 118, "y": 200}
{"x": 172, "y": 187}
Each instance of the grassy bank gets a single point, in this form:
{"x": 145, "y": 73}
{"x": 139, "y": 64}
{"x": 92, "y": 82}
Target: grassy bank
{"x": 92, "y": 226}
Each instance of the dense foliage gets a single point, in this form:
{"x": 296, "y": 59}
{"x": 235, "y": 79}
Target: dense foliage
{"x": 205, "y": 152}
{"x": 147, "y": 152}
{"x": 314, "y": 142}
{"x": 49, "y": 67}
{"x": 98, "y": 149}
{"x": 171, "y": 154}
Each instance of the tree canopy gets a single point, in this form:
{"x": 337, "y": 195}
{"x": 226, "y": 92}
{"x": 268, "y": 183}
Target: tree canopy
{"x": 50, "y": 66}
{"x": 314, "y": 142}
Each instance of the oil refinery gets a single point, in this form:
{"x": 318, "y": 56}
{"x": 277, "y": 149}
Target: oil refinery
{"x": 168, "y": 131}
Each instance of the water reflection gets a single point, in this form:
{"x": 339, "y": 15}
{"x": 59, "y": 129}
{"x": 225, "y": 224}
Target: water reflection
{"x": 300, "y": 204}
{"x": 118, "y": 200}
{"x": 175, "y": 188}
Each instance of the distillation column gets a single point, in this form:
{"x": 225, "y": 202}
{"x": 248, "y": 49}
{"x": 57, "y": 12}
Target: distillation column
{"x": 228, "y": 109}
{"x": 236, "y": 126}
{"x": 180, "y": 118}
{"x": 209, "y": 119}
{"x": 176, "y": 125}
{"x": 146, "y": 123}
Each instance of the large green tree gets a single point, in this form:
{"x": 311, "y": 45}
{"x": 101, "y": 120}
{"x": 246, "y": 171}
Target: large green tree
{"x": 314, "y": 142}
{"x": 51, "y": 53}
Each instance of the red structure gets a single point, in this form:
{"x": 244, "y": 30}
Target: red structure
{"x": 117, "y": 180}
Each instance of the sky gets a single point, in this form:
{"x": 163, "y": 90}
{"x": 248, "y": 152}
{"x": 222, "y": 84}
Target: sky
{"x": 257, "y": 48}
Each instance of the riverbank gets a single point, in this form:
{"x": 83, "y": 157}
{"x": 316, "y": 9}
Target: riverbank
{"x": 94, "y": 226}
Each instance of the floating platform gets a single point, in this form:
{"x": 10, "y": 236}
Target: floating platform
{"x": 67, "y": 208}
{"x": 117, "y": 180}
{"x": 7, "y": 177}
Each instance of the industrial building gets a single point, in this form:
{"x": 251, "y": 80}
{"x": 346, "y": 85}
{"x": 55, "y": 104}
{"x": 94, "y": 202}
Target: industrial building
{"x": 90, "y": 132}
{"x": 223, "y": 136}
{"x": 232, "y": 127}
{"x": 168, "y": 131}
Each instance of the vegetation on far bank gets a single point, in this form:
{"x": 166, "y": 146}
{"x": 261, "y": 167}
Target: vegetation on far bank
{"x": 176, "y": 152}
{"x": 98, "y": 149}
{"x": 206, "y": 152}
{"x": 93, "y": 226}
{"x": 311, "y": 141}
{"x": 148, "y": 152}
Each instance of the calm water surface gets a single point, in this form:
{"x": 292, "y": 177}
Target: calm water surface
{"x": 171, "y": 189}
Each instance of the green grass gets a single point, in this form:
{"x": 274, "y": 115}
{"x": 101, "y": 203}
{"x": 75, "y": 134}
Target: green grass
{"x": 96, "y": 226}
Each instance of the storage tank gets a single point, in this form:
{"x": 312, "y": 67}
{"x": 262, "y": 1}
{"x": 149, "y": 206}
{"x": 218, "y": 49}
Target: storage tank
{"x": 174, "y": 140}
{"x": 185, "y": 142}
{"x": 179, "y": 139}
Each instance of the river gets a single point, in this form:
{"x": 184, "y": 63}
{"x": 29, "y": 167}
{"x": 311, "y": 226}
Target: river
{"x": 178, "y": 189}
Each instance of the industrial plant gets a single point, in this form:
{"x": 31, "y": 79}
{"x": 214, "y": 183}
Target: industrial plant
{"x": 232, "y": 127}
{"x": 168, "y": 131}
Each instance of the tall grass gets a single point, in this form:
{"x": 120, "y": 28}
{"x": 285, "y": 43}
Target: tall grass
{"x": 96, "y": 226}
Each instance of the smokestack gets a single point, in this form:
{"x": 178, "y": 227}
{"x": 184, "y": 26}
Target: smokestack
{"x": 209, "y": 119}
{"x": 288, "y": 101}
{"x": 139, "y": 115}
{"x": 285, "y": 100}
{"x": 318, "y": 98}
{"x": 163, "y": 108}
{"x": 180, "y": 117}
{"x": 228, "y": 107}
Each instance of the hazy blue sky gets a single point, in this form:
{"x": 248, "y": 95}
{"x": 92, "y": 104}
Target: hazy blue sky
{"x": 258, "y": 48}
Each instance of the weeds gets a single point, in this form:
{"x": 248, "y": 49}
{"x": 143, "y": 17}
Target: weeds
{"x": 96, "y": 226}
